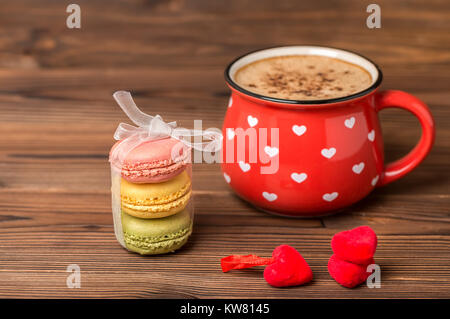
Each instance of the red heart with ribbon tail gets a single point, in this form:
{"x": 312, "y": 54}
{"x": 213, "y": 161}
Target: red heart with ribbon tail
{"x": 285, "y": 268}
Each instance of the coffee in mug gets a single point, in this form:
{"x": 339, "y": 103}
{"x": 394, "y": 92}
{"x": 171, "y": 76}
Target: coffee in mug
{"x": 303, "y": 77}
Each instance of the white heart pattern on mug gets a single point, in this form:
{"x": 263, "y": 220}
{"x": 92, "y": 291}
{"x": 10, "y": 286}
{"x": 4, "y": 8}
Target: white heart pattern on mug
{"x": 330, "y": 197}
{"x": 375, "y": 180}
{"x": 299, "y": 130}
{"x": 230, "y": 102}
{"x": 271, "y": 151}
{"x": 252, "y": 121}
{"x": 299, "y": 178}
{"x": 270, "y": 196}
{"x": 371, "y": 135}
{"x": 230, "y": 133}
{"x": 358, "y": 168}
{"x": 245, "y": 167}
{"x": 328, "y": 152}
{"x": 227, "y": 178}
{"x": 349, "y": 122}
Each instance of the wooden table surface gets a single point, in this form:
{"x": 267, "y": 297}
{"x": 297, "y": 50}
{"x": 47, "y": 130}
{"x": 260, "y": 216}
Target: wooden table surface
{"x": 57, "y": 119}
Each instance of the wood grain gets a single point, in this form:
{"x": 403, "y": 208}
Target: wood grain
{"x": 57, "y": 119}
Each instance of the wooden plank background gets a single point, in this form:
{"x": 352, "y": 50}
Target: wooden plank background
{"x": 57, "y": 118}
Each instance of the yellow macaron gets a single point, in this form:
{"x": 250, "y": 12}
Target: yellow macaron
{"x": 156, "y": 200}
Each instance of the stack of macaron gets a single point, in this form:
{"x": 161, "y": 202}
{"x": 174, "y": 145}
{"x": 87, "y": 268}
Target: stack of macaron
{"x": 155, "y": 191}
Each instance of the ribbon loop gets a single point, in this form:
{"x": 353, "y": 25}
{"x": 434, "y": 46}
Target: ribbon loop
{"x": 153, "y": 127}
{"x": 126, "y": 102}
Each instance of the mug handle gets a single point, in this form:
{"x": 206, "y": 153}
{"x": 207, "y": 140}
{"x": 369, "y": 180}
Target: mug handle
{"x": 406, "y": 164}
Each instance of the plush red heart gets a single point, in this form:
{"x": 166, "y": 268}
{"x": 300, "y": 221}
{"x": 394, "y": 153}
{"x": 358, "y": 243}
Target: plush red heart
{"x": 357, "y": 245}
{"x": 288, "y": 269}
{"x": 346, "y": 273}
{"x": 285, "y": 268}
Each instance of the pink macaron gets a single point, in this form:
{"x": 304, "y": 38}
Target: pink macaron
{"x": 154, "y": 161}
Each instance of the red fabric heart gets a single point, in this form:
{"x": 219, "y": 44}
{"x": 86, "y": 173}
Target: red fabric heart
{"x": 288, "y": 269}
{"x": 357, "y": 245}
{"x": 285, "y": 268}
{"x": 346, "y": 273}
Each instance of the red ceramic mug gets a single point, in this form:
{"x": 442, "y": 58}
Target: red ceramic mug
{"x": 329, "y": 152}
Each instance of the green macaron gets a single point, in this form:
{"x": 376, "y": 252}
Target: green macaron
{"x": 158, "y": 235}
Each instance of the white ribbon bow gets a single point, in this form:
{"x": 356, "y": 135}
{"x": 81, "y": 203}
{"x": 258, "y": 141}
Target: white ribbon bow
{"x": 152, "y": 128}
